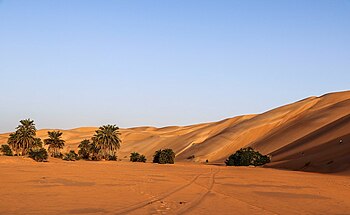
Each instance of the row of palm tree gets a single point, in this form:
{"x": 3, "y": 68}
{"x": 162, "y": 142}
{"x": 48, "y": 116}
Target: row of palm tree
{"x": 103, "y": 145}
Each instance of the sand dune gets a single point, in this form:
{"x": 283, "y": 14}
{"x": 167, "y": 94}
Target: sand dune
{"x": 305, "y": 135}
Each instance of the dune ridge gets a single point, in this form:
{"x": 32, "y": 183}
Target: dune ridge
{"x": 310, "y": 135}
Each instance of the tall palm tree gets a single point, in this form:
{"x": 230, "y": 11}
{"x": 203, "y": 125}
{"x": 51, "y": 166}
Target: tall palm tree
{"x": 24, "y": 137}
{"x": 107, "y": 140}
{"x": 55, "y": 143}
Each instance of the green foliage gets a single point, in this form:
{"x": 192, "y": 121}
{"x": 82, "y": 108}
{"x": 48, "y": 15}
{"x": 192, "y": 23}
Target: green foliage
{"x": 55, "y": 143}
{"x": 37, "y": 143}
{"x": 84, "y": 149}
{"x": 38, "y": 154}
{"x": 247, "y": 157}
{"x": 23, "y": 139}
{"x": 106, "y": 142}
{"x": 136, "y": 157}
{"x": 6, "y": 150}
{"x": 164, "y": 156}
{"x": 71, "y": 156}
{"x": 112, "y": 157}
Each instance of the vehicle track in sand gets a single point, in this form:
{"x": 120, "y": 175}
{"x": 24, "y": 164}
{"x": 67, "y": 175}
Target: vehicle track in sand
{"x": 156, "y": 198}
{"x": 199, "y": 199}
{"x": 193, "y": 204}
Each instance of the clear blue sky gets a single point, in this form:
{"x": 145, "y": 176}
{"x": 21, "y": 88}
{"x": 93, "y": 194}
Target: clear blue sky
{"x": 79, "y": 63}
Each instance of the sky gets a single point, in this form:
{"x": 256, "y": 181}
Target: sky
{"x": 69, "y": 64}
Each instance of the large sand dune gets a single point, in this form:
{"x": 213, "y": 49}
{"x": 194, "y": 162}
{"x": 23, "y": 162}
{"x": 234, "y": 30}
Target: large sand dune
{"x": 311, "y": 135}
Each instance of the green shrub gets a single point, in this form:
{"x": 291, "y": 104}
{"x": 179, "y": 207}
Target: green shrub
{"x": 71, "y": 156}
{"x": 247, "y": 157}
{"x": 164, "y": 156}
{"x": 38, "y": 154}
{"x": 6, "y": 150}
{"x": 142, "y": 159}
{"x": 84, "y": 149}
{"x": 136, "y": 157}
{"x": 111, "y": 157}
{"x": 57, "y": 155}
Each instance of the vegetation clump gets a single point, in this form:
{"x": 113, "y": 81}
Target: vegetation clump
{"x": 247, "y": 157}
{"x": 55, "y": 143}
{"x": 106, "y": 142}
{"x": 84, "y": 149}
{"x": 38, "y": 154}
{"x": 104, "y": 145}
{"x": 111, "y": 157}
{"x": 71, "y": 156}
{"x": 164, "y": 156}
{"x": 24, "y": 138}
{"x": 6, "y": 150}
{"x": 136, "y": 157}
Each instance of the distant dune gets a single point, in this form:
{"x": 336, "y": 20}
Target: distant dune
{"x": 309, "y": 135}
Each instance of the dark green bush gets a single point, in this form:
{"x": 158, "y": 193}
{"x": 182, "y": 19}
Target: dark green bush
{"x": 71, "y": 156}
{"x": 164, "y": 156}
{"x": 84, "y": 149}
{"x": 57, "y": 155}
{"x": 38, "y": 154}
{"x": 111, "y": 158}
{"x": 247, "y": 157}
{"x": 6, "y": 150}
{"x": 136, "y": 157}
{"x": 142, "y": 159}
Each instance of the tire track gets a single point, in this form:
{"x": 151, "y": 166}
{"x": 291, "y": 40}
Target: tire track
{"x": 155, "y": 199}
{"x": 210, "y": 189}
{"x": 199, "y": 199}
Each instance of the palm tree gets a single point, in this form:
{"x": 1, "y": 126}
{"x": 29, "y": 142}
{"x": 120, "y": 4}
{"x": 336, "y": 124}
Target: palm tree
{"x": 84, "y": 149}
{"x": 55, "y": 143}
{"x": 107, "y": 140}
{"x": 24, "y": 137}
{"x": 13, "y": 143}
{"x": 38, "y": 144}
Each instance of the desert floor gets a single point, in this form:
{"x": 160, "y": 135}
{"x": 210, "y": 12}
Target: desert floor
{"x": 87, "y": 187}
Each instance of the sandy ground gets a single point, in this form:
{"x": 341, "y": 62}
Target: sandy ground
{"x": 86, "y": 187}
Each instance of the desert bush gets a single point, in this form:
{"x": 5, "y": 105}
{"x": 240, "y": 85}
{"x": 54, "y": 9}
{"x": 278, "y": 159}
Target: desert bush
{"x": 136, "y": 157}
{"x": 247, "y": 157}
{"x": 6, "y": 150}
{"x": 142, "y": 159}
{"x": 38, "y": 154}
{"x": 112, "y": 157}
{"x": 84, "y": 149}
{"x": 164, "y": 156}
{"x": 71, "y": 156}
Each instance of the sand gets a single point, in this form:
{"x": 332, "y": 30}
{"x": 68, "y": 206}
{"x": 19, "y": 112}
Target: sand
{"x": 83, "y": 187}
